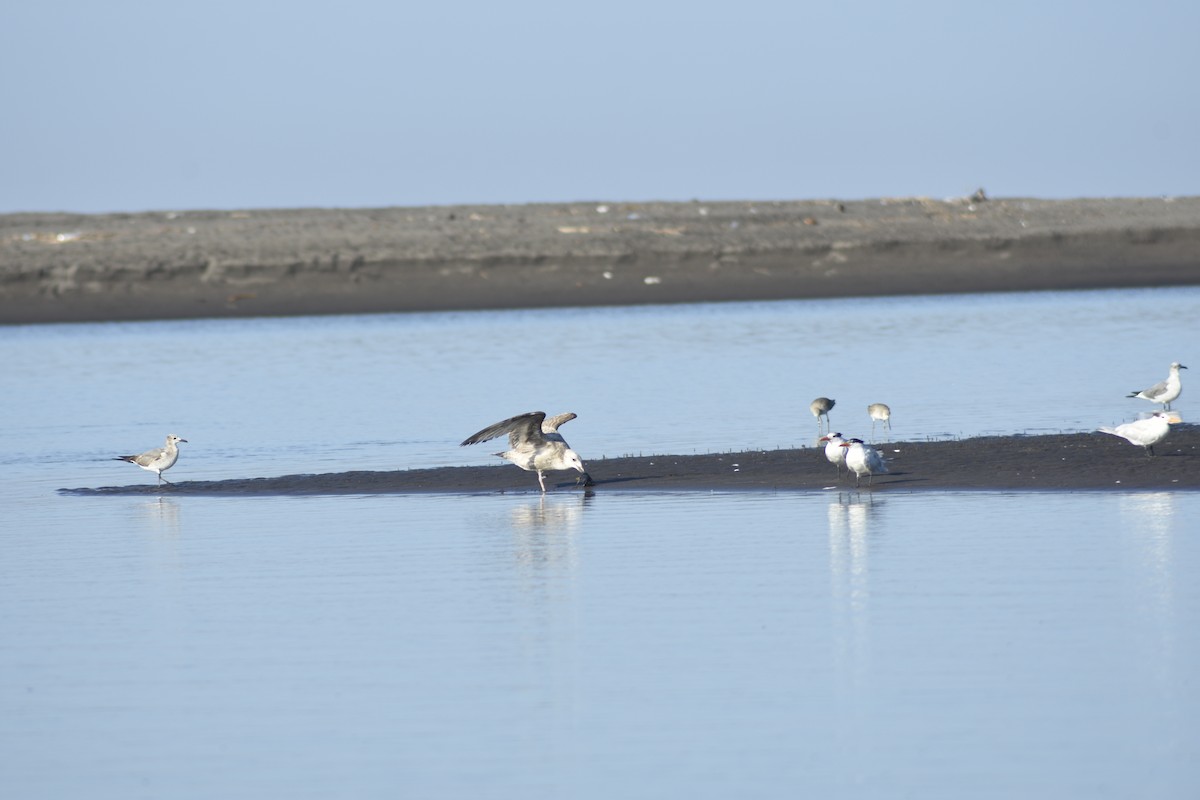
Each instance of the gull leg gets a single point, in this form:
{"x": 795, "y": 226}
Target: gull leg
{"x": 541, "y": 481}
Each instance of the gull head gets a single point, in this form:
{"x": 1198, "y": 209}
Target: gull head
{"x": 571, "y": 460}
{"x": 1177, "y": 365}
{"x": 173, "y": 439}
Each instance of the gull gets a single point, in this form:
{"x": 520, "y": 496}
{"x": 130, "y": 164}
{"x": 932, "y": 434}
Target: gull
{"x": 834, "y": 450}
{"x": 1146, "y": 432}
{"x": 534, "y": 444}
{"x": 879, "y": 412}
{"x": 1164, "y": 391}
{"x": 863, "y": 460}
{"x": 159, "y": 459}
{"x": 820, "y": 408}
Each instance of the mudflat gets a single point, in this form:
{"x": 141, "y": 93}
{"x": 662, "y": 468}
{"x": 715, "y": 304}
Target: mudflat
{"x": 57, "y": 267}
{"x": 1081, "y": 461}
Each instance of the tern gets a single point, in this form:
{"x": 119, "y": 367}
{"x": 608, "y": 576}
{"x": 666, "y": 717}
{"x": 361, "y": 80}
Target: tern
{"x": 1146, "y": 432}
{"x": 534, "y": 444}
{"x": 863, "y": 460}
{"x": 834, "y": 450}
{"x": 159, "y": 459}
{"x": 1164, "y": 391}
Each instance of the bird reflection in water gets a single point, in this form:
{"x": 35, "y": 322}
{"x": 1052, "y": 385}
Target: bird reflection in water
{"x": 545, "y": 528}
{"x": 851, "y": 517}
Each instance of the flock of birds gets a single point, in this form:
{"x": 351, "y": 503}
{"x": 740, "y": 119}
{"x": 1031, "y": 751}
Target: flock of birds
{"x": 858, "y": 456}
{"x": 535, "y": 445}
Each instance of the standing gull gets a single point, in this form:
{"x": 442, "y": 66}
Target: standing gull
{"x": 159, "y": 459}
{"x": 820, "y": 408}
{"x": 532, "y": 446}
{"x": 1164, "y": 391}
{"x": 863, "y": 460}
{"x": 879, "y": 412}
{"x": 1146, "y": 432}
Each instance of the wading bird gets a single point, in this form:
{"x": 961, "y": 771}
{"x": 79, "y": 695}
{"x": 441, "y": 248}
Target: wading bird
{"x": 879, "y": 412}
{"x": 821, "y": 408}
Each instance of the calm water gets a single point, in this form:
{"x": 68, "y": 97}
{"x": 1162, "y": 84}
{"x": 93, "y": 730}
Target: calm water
{"x": 632, "y": 645}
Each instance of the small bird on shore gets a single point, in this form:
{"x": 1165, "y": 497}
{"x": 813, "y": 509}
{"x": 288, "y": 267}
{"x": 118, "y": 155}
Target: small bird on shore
{"x": 1164, "y": 391}
{"x": 1146, "y": 432}
{"x": 821, "y": 408}
{"x": 863, "y": 460}
{"x": 534, "y": 444}
{"x": 879, "y": 412}
{"x": 159, "y": 459}
{"x": 834, "y": 452}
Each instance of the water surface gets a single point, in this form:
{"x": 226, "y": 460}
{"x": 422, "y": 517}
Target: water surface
{"x": 590, "y": 646}
{"x": 934, "y": 645}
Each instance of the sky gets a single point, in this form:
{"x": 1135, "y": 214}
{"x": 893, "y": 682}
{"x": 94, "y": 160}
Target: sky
{"x": 137, "y": 106}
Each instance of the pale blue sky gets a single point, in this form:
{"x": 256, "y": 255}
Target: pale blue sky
{"x": 128, "y": 106}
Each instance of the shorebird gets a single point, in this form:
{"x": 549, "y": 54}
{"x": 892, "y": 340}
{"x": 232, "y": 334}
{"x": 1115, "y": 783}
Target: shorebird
{"x": 820, "y": 408}
{"x": 1164, "y": 391}
{"x": 834, "y": 450}
{"x": 159, "y": 459}
{"x": 879, "y": 412}
{"x": 534, "y": 444}
{"x": 1146, "y": 432}
{"x": 863, "y": 460}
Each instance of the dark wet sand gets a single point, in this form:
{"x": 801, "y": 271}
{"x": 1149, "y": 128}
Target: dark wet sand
{"x": 163, "y": 265}
{"x": 1057, "y": 462}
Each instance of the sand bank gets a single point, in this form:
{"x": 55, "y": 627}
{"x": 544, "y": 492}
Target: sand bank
{"x": 1083, "y": 461}
{"x": 69, "y": 267}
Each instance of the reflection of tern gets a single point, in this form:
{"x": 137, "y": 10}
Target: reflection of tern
{"x": 159, "y": 459}
{"x": 1146, "y": 432}
{"x": 531, "y": 446}
{"x": 863, "y": 460}
{"x": 1164, "y": 391}
{"x": 834, "y": 450}
{"x": 821, "y": 408}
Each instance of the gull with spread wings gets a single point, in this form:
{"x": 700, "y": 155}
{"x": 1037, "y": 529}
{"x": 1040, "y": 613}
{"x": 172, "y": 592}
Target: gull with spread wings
{"x": 534, "y": 444}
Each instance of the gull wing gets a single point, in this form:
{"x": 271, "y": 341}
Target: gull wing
{"x": 150, "y": 456}
{"x": 521, "y": 428}
{"x": 551, "y": 424}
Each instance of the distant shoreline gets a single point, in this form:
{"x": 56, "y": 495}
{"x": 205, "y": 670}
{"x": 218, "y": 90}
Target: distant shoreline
{"x": 1054, "y": 462}
{"x": 173, "y": 265}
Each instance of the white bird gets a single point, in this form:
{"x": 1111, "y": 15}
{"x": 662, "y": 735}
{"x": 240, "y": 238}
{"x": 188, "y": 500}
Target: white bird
{"x": 879, "y": 412}
{"x": 1164, "y": 391}
{"x": 159, "y": 459}
{"x": 820, "y": 408}
{"x": 1146, "y": 432}
{"x": 533, "y": 448}
{"x": 863, "y": 460}
{"x": 834, "y": 450}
